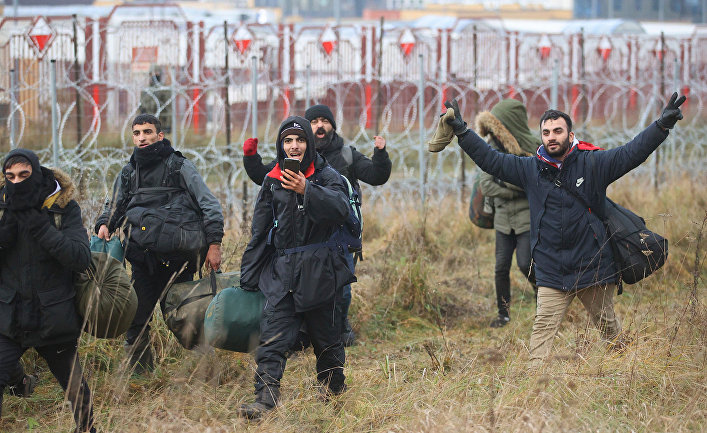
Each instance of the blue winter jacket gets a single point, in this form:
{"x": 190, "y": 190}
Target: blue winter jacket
{"x": 568, "y": 241}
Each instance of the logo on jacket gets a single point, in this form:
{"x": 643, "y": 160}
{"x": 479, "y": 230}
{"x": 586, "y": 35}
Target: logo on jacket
{"x": 579, "y": 181}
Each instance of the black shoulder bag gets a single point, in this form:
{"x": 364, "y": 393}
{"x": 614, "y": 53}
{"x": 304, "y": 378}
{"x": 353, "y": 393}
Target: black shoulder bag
{"x": 638, "y": 252}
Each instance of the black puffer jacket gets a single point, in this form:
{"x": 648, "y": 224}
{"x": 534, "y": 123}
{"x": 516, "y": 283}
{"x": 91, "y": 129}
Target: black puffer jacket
{"x": 315, "y": 276}
{"x": 568, "y": 242}
{"x": 374, "y": 171}
{"x": 36, "y": 274}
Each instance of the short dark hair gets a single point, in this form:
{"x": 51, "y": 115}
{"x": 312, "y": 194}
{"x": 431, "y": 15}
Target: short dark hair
{"x": 144, "y": 118}
{"x": 17, "y": 159}
{"x": 554, "y": 115}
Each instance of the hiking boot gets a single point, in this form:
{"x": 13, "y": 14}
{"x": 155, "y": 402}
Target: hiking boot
{"x": 500, "y": 321}
{"x": 140, "y": 357}
{"x": 348, "y": 337}
{"x": 23, "y": 388}
{"x": 265, "y": 400}
{"x": 255, "y": 410}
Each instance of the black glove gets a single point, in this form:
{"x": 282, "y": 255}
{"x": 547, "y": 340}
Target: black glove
{"x": 8, "y": 229}
{"x": 34, "y": 219}
{"x": 671, "y": 113}
{"x": 457, "y": 123}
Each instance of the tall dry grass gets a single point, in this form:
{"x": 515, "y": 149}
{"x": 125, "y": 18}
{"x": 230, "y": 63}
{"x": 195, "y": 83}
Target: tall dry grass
{"x": 426, "y": 360}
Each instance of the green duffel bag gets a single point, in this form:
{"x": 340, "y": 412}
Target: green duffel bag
{"x": 186, "y": 303}
{"x": 104, "y": 297}
{"x": 232, "y": 320}
{"x": 113, "y": 247}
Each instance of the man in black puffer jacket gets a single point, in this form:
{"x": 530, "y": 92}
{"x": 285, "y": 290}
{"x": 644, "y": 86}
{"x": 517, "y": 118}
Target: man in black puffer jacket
{"x": 155, "y": 164}
{"x": 568, "y": 242}
{"x": 42, "y": 243}
{"x": 291, "y": 261}
{"x": 345, "y": 159}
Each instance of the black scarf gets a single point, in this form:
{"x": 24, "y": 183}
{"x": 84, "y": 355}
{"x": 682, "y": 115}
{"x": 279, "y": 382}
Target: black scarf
{"x": 152, "y": 154}
{"x": 31, "y": 192}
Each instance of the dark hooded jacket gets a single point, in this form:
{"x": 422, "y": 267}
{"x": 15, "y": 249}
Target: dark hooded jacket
{"x": 506, "y": 130}
{"x": 316, "y": 275}
{"x": 374, "y": 171}
{"x": 568, "y": 242}
{"x": 159, "y": 174}
{"x": 37, "y": 293}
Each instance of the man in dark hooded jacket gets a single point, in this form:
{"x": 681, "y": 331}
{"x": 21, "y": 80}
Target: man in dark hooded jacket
{"x": 506, "y": 130}
{"x": 42, "y": 243}
{"x": 345, "y": 159}
{"x": 569, "y": 242}
{"x": 289, "y": 258}
{"x": 155, "y": 163}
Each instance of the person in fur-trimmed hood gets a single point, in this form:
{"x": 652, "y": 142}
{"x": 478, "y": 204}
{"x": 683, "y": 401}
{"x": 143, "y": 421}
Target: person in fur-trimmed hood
{"x": 505, "y": 128}
{"x": 42, "y": 243}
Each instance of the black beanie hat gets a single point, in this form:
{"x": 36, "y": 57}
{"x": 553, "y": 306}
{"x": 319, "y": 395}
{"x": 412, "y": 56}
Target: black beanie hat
{"x": 320, "y": 110}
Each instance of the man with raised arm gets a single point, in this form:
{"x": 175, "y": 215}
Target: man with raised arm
{"x": 568, "y": 242}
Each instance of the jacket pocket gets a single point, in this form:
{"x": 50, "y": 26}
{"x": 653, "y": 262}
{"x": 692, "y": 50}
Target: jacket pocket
{"x": 317, "y": 282}
{"x": 58, "y": 315}
{"x": 7, "y": 312}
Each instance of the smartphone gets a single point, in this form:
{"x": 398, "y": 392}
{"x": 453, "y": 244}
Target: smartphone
{"x": 291, "y": 164}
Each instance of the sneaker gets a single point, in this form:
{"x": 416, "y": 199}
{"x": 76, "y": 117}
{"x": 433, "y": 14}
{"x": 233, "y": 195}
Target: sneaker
{"x": 24, "y": 388}
{"x": 500, "y": 321}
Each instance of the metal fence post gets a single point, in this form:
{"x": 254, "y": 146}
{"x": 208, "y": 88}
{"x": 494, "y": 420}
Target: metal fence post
{"x": 227, "y": 108}
{"x": 421, "y": 112}
{"x": 13, "y": 105}
{"x": 173, "y": 91}
{"x": 555, "y": 83}
{"x": 307, "y": 76}
{"x": 55, "y": 114}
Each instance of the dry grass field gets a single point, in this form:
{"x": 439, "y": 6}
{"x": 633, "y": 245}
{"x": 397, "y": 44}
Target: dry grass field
{"x": 426, "y": 360}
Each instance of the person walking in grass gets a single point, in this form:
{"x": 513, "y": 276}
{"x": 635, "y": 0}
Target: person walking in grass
{"x": 155, "y": 176}
{"x": 569, "y": 244}
{"x": 505, "y": 128}
{"x": 343, "y": 158}
{"x": 291, "y": 259}
{"x": 42, "y": 243}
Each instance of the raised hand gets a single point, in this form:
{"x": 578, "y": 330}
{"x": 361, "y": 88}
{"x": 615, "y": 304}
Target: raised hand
{"x": 457, "y": 123}
{"x": 250, "y": 147}
{"x": 671, "y": 113}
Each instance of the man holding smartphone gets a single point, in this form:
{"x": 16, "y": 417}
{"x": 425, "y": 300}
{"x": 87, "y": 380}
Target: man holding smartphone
{"x": 291, "y": 260}
{"x": 346, "y": 160}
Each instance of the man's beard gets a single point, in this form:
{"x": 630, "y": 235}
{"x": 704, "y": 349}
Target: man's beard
{"x": 564, "y": 146}
{"x": 321, "y": 143}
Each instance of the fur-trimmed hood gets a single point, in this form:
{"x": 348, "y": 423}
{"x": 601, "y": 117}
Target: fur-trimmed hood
{"x": 508, "y": 122}
{"x": 68, "y": 189}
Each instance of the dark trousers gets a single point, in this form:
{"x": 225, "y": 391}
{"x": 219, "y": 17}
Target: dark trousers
{"x": 505, "y": 244}
{"x": 279, "y": 327}
{"x": 345, "y": 302}
{"x": 150, "y": 283}
{"x": 63, "y": 362}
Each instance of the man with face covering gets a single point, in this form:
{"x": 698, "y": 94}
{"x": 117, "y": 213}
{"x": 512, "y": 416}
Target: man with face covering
{"x": 154, "y": 163}
{"x": 42, "y": 243}
{"x": 345, "y": 159}
{"x": 291, "y": 261}
{"x": 506, "y": 130}
{"x": 568, "y": 241}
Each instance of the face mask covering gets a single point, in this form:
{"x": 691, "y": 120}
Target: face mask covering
{"x": 146, "y": 156}
{"x": 24, "y": 195}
